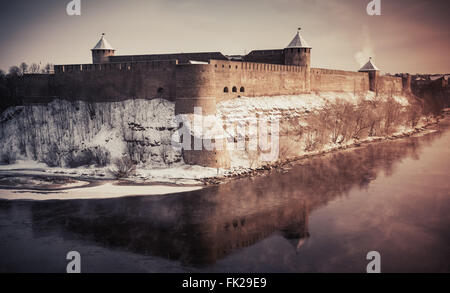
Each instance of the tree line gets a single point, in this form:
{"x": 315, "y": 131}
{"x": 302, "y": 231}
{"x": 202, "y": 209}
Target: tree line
{"x": 34, "y": 68}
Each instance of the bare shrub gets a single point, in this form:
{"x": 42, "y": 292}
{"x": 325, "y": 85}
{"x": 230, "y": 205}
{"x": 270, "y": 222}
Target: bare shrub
{"x": 52, "y": 158}
{"x": 77, "y": 159}
{"x": 136, "y": 150}
{"x": 101, "y": 156}
{"x": 375, "y": 116}
{"x": 253, "y": 158}
{"x": 286, "y": 151}
{"x": 123, "y": 167}
{"x": 8, "y": 158}
{"x": 97, "y": 156}
{"x": 392, "y": 111}
{"x": 361, "y": 122}
{"x": 338, "y": 121}
{"x": 164, "y": 153}
{"x": 414, "y": 113}
{"x": 312, "y": 140}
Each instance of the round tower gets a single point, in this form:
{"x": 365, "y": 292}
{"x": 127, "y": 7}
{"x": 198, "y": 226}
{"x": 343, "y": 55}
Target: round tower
{"x": 102, "y": 51}
{"x": 373, "y": 72}
{"x": 298, "y": 52}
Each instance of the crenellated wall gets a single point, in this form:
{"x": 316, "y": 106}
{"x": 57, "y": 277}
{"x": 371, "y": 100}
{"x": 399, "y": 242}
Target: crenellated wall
{"x": 233, "y": 79}
{"x": 115, "y": 81}
{"x": 328, "y": 80}
{"x": 204, "y": 85}
{"x": 197, "y": 84}
{"x": 389, "y": 84}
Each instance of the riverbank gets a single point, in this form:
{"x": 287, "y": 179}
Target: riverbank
{"x": 286, "y": 164}
{"x": 90, "y": 190}
{"x": 28, "y": 180}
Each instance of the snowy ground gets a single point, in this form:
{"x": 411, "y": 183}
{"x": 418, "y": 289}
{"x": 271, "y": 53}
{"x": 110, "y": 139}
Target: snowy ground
{"x": 181, "y": 174}
{"x": 104, "y": 190}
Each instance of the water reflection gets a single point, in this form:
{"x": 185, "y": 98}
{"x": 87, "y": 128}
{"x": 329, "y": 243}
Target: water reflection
{"x": 201, "y": 227}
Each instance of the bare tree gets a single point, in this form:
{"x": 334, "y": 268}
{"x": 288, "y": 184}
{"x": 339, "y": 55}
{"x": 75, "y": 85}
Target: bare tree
{"x": 48, "y": 68}
{"x": 23, "y": 68}
{"x": 14, "y": 71}
{"x": 35, "y": 68}
{"x": 361, "y": 119}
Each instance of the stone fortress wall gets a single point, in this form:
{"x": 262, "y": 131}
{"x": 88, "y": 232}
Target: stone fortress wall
{"x": 192, "y": 84}
{"x": 201, "y": 80}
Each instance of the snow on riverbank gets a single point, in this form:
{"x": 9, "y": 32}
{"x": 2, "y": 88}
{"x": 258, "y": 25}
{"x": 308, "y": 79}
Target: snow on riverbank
{"x": 292, "y": 106}
{"x": 181, "y": 173}
{"x": 68, "y": 134}
{"x": 105, "y": 190}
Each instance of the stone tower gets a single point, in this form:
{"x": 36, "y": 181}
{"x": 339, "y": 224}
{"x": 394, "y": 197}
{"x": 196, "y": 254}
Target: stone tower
{"x": 102, "y": 51}
{"x": 298, "y": 52}
{"x": 373, "y": 72}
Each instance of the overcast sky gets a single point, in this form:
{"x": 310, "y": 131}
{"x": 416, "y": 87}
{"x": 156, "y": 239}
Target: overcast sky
{"x": 410, "y": 35}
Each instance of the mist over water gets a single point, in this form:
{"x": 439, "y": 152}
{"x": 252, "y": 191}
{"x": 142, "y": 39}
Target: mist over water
{"x": 323, "y": 214}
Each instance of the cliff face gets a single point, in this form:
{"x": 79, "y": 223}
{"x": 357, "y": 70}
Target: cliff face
{"x": 313, "y": 123}
{"x": 64, "y": 133}
{"x": 73, "y": 134}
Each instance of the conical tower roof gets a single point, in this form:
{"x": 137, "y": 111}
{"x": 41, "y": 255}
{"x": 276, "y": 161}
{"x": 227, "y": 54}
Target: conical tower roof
{"x": 103, "y": 44}
{"x": 369, "y": 66}
{"x": 298, "y": 42}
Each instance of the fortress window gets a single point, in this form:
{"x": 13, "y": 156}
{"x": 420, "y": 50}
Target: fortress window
{"x": 234, "y": 89}
{"x": 225, "y": 89}
{"x": 242, "y": 90}
{"x": 160, "y": 90}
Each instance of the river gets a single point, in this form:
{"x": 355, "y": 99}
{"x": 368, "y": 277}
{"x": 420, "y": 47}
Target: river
{"x": 323, "y": 214}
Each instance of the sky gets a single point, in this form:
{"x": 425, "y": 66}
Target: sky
{"x": 410, "y": 36}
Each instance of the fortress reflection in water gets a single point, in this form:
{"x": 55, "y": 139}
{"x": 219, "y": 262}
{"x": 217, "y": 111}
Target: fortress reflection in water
{"x": 198, "y": 228}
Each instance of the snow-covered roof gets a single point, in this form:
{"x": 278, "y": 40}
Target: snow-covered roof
{"x": 298, "y": 42}
{"x": 103, "y": 44}
{"x": 369, "y": 66}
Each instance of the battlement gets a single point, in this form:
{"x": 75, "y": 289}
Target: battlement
{"x": 331, "y": 80}
{"x": 254, "y": 66}
{"x": 111, "y": 67}
{"x": 203, "y": 84}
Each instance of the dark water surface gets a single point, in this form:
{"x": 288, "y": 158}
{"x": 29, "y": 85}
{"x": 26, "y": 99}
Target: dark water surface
{"x": 322, "y": 216}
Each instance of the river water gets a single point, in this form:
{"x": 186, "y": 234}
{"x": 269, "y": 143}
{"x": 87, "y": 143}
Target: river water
{"x": 323, "y": 214}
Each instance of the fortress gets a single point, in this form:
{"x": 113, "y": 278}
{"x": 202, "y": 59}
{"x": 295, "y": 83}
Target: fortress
{"x": 203, "y": 79}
